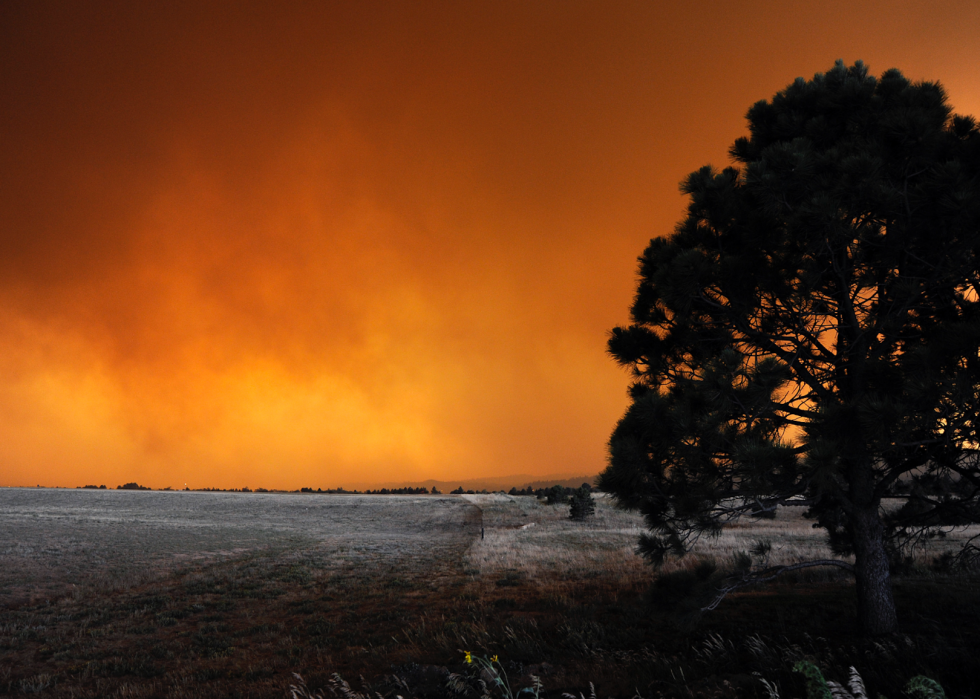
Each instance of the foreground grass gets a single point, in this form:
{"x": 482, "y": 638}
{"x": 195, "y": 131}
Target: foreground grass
{"x": 396, "y": 599}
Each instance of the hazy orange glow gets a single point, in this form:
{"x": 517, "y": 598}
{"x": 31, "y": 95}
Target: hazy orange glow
{"x": 356, "y": 243}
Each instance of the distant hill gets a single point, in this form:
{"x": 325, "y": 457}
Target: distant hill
{"x": 567, "y": 482}
{"x": 498, "y": 482}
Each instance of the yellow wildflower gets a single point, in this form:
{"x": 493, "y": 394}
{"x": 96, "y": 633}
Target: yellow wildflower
{"x": 469, "y": 657}
{"x": 495, "y": 659}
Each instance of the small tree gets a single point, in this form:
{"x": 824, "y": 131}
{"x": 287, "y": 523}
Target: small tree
{"x": 582, "y": 504}
{"x": 556, "y": 495}
{"x": 808, "y": 334}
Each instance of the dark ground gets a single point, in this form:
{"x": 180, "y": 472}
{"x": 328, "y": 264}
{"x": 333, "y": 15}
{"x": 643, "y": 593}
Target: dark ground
{"x": 399, "y": 615}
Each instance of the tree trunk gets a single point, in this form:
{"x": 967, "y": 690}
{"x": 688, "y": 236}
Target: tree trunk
{"x": 876, "y": 605}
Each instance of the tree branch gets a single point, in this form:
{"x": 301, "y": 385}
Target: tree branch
{"x": 772, "y": 573}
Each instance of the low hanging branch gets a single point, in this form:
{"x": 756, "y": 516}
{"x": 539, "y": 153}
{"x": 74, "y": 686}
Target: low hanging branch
{"x": 771, "y": 573}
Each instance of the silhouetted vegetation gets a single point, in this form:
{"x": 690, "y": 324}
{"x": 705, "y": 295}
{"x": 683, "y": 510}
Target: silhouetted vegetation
{"x": 398, "y": 491}
{"x": 581, "y": 504}
{"x": 808, "y": 334}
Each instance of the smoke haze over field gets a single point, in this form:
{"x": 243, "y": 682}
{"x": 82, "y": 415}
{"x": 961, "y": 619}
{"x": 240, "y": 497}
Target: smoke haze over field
{"x": 316, "y": 245}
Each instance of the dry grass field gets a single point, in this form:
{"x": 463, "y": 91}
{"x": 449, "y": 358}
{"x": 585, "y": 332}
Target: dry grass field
{"x": 168, "y": 594}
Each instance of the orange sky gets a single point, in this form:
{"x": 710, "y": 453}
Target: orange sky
{"x": 355, "y": 243}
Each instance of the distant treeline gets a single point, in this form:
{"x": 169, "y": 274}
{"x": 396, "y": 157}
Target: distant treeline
{"x": 382, "y": 491}
{"x": 126, "y": 486}
{"x": 553, "y": 494}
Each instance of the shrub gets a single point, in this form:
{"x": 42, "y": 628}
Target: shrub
{"x": 556, "y": 495}
{"x": 582, "y": 504}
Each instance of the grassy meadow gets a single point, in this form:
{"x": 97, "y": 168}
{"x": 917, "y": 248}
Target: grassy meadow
{"x": 168, "y": 594}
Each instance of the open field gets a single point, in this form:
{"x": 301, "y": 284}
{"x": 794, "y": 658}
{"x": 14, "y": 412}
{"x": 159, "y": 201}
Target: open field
{"x": 169, "y": 594}
{"x": 81, "y": 541}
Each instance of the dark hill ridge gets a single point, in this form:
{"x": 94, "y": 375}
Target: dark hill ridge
{"x": 492, "y": 484}
{"x": 505, "y": 483}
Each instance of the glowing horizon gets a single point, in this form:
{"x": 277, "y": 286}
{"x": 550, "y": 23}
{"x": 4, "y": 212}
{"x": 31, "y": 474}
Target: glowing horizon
{"x": 290, "y": 247}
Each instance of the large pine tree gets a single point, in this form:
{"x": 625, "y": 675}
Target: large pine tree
{"x": 809, "y": 333}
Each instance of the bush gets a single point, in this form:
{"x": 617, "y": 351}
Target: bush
{"x": 556, "y": 495}
{"x": 582, "y": 504}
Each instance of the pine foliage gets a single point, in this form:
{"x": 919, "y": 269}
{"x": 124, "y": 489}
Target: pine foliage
{"x": 809, "y": 332}
{"x": 582, "y": 504}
